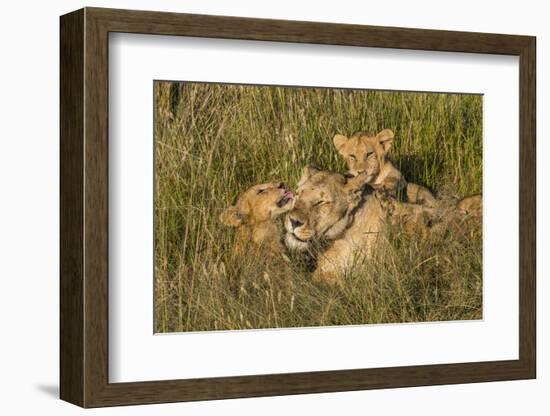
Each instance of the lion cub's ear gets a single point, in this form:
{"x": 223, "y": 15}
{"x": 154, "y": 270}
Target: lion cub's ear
{"x": 339, "y": 140}
{"x": 232, "y": 217}
{"x": 385, "y": 138}
{"x": 307, "y": 173}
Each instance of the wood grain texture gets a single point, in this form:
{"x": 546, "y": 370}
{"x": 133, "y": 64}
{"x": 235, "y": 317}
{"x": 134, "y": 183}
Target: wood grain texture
{"x": 527, "y": 207}
{"x": 84, "y": 207}
{"x": 162, "y": 23}
{"x": 96, "y": 208}
{"x": 71, "y": 213}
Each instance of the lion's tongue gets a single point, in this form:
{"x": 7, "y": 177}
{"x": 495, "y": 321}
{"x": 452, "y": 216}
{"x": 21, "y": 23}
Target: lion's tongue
{"x": 289, "y": 195}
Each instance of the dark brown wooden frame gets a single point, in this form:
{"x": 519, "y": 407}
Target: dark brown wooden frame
{"x": 84, "y": 207}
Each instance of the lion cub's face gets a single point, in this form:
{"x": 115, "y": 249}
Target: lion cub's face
{"x": 365, "y": 153}
{"x": 320, "y": 209}
{"x": 258, "y": 204}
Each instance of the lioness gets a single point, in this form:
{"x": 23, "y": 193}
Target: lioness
{"x": 254, "y": 215}
{"x": 345, "y": 213}
{"x": 366, "y": 153}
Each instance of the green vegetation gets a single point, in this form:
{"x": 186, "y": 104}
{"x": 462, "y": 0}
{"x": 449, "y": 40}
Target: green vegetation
{"x": 214, "y": 141}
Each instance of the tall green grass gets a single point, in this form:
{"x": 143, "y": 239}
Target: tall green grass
{"x": 214, "y": 141}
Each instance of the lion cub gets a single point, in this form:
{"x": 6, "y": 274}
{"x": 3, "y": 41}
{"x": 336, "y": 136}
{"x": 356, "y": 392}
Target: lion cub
{"x": 254, "y": 215}
{"x": 367, "y": 153}
{"x": 469, "y": 214}
{"x": 471, "y": 205}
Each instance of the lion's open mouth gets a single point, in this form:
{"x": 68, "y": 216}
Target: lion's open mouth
{"x": 287, "y": 197}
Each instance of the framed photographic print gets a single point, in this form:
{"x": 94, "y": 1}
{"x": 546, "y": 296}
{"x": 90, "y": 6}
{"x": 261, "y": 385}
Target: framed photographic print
{"x": 256, "y": 207}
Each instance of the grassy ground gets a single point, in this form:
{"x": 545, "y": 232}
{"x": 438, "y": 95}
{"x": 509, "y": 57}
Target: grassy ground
{"x": 214, "y": 141}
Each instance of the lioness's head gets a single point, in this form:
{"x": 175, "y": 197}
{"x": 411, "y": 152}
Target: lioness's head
{"x": 258, "y": 204}
{"x": 321, "y": 209}
{"x": 365, "y": 153}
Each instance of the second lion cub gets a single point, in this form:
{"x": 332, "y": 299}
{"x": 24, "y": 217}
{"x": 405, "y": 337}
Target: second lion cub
{"x": 255, "y": 215}
{"x": 365, "y": 153}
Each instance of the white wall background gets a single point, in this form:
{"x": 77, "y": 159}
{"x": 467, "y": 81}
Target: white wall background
{"x": 29, "y": 206}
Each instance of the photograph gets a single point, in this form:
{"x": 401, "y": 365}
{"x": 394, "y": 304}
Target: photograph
{"x": 294, "y": 206}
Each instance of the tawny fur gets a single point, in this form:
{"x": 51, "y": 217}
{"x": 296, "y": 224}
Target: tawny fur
{"x": 365, "y": 153}
{"x": 471, "y": 205}
{"x": 327, "y": 207}
{"x": 255, "y": 216}
{"x": 352, "y": 218}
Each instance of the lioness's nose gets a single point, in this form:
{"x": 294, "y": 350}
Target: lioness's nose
{"x": 295, "y": 223}
{"x": 281, "y": 185}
